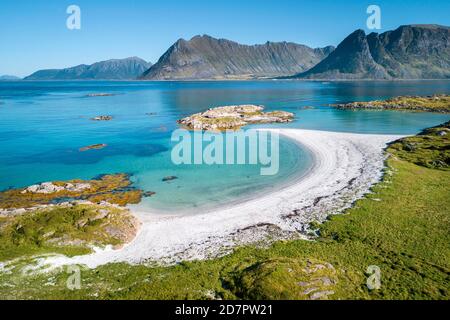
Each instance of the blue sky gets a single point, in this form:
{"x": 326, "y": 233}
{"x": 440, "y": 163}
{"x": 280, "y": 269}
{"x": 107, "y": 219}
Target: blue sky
{"x": 34, "y": 36}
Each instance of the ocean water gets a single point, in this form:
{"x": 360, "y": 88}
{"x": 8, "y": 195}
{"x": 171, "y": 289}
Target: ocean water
{"x": 43, "y": 125}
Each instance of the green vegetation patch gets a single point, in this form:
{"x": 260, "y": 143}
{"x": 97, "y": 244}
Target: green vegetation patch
{"x": 73, "y": 228}
{"x": 430, "y": 149}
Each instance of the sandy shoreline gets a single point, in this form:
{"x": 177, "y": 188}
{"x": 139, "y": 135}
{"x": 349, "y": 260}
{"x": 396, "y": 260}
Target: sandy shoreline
{"x": 345, "y": 167}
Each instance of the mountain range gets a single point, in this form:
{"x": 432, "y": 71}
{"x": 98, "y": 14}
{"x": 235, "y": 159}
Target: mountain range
{"x": 409, "y": 52}
{"x": 114, "y": 69}
{"x": 204, "y": 57}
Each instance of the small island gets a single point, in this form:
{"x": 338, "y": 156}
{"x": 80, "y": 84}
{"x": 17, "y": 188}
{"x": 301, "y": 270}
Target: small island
{"x": 434, "y": 103}
{"x": 102, "y": 118}
{"x": 233, "y": 118}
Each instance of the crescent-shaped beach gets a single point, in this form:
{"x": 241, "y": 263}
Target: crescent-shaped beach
{"x": 345, "y": 166}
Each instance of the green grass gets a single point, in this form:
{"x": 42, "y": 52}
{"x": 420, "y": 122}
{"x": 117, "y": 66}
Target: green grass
{"x": 63, "y": 230}
{"x": 403, "y": 227}
{"x": 430, "y": 149}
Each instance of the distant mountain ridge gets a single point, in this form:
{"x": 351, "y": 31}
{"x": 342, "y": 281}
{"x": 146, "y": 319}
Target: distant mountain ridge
{"x": 409, "y": 52}
{"x": 113, "y": 69}
{"x": 205, "y": 57}
{"x": 7, "y": 77}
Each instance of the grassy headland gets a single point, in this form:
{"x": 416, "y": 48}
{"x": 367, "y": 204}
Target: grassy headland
{"x": 402, "y": 228}
{"x": 436, "y": 103}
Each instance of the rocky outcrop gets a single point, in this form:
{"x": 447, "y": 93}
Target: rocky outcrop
{"x": 233, "y": 118}
{"x": 409, "y": 52}
{"x": 49, "y": 187}
{"x": 114, "y": 69}
{"x": 204, "y": 57}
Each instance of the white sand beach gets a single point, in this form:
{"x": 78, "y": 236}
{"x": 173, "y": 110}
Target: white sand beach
{"x": 345, "y": 167}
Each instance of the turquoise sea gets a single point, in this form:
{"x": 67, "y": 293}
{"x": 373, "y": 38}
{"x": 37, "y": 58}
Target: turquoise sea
{"x": 43, "y": 125}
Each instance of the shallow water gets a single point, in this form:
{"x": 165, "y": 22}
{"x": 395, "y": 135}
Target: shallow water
{"x": 43, "y": 124}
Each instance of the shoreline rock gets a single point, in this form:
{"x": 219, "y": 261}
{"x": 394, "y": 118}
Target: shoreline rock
{"x": 114, "y": 189}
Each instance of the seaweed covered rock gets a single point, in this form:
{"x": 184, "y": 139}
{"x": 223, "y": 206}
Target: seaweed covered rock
{"x": 115, "y": 189}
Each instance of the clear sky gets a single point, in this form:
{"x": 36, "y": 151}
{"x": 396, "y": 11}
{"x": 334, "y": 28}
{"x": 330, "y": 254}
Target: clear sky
{"x": 33, "y": 33}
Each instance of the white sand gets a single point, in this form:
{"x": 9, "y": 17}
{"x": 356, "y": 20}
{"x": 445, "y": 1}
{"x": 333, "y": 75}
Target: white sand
{"x": 345, "y": 166}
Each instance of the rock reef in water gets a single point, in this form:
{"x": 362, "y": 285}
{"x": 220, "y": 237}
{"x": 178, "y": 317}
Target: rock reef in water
{"x": 233, "y": 118}
{"x": 102, "y": 118}
{"x": 100, "y": 94}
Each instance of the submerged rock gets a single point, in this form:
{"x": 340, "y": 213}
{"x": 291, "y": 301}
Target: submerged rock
{"x": 233, "y": 118}
{"x": 169, "y": 178}
{"x": 93, "y": 147}
{"x": 148, "y": 194}
{"x": 101, "y": 94}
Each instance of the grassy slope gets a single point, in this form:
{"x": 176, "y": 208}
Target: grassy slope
{"x": 403, "y": 227}
{"x": 76, "y": 227}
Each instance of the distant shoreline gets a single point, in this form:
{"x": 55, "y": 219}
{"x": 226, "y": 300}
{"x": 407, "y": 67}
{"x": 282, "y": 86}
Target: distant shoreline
{"x": 229, "y": 80}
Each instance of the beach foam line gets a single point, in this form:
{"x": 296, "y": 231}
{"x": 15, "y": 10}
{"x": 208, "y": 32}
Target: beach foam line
{"x": 345, "y": 166}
